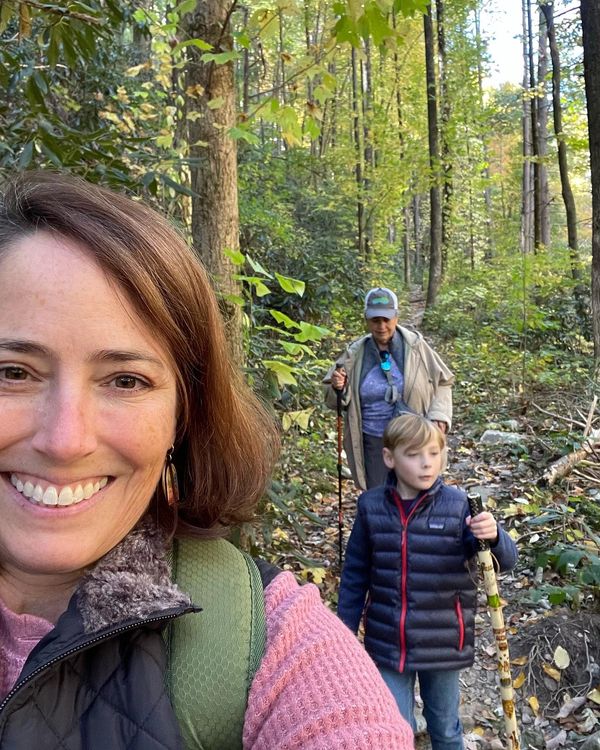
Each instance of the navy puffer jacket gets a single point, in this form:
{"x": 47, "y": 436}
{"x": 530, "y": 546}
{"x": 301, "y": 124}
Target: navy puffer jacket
{"x": 414, "y": 575}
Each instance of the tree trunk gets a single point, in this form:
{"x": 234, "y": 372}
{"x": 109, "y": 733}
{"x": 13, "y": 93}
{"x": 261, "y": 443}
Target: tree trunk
{"x": 405, "y": 212}
{"x": 435, "y": 204}
{"x": 542, "y": 118}
{"x": 533, "y": 104}
{"x": 369, "y": 153}
{"x": 446, "y": 163}
{"x": 213, "y": 167}
{"x": 590, "y": 24}
{"x": 567, "y": 193}
{"x": 487, "y": 192}
{"x": 527, "y": 181}
{"x": 358, "y": 164}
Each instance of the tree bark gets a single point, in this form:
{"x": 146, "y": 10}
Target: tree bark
{"x": 542, "y": 119}
{"x": 527, "y": 180}
{"x": 590, "y": 24}
{"x": 487, "y": 192}
{"x": 446, "y": 164}
{"x": 435, "y": 204}
{"x": 358, "y": 164}
{"x": 213, "y": 163}
{"x": 567, "y": 193}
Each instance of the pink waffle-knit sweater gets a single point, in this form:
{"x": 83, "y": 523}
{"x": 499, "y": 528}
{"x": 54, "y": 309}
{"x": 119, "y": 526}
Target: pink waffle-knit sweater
{"x": 316, "y": 688}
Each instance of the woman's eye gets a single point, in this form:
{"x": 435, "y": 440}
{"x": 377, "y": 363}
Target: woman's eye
{"x": 13, "y": 373}
{"x": 128, "y": 382}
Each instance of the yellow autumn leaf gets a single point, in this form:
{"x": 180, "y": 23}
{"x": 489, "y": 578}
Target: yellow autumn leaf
{"x": 551, "y": 672}
{"x": 561, "y": 658}
{"x": 594, "y": 695}
{"x": 534, "y": 703}
{"x": 519, "y": 680}
{"x": 520, "y": 661}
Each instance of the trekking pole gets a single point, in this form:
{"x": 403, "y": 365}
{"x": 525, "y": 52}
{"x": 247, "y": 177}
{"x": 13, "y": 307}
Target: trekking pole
{"x": 338, "y": 394}
{"x": 490, "y": 584}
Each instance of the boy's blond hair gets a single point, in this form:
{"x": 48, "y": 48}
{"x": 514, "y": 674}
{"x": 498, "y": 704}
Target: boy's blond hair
{"x": 412, "y": 431}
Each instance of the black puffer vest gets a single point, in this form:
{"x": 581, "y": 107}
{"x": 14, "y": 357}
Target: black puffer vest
{"x": 421, "y": 594}
{"x": 97, "y": 680}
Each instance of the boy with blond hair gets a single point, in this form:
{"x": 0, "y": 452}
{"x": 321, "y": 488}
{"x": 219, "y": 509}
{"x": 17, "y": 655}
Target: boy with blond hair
{"x": 407, "y": 558}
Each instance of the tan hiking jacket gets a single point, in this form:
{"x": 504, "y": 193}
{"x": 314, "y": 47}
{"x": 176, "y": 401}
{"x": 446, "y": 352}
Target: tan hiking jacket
{"x": 427, "y": 391}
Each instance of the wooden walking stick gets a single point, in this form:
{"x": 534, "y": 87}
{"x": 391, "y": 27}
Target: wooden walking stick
{"x": 338, "y": 393}
{"x": 486, "y": 566}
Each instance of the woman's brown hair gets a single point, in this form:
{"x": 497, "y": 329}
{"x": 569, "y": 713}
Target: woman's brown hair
{"x": 226, "y": 442}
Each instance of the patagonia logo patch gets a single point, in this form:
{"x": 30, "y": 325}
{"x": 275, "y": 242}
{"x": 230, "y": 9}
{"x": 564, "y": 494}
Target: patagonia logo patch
{"x": 435, "y": 524}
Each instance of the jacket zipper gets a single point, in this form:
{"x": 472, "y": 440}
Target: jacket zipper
{"x": 461, "y": 623}
{"x": 84, "y": 647}
{"x": 404, "y": 520}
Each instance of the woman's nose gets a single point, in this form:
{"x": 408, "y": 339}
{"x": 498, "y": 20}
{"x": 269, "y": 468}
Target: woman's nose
{"x": 66, "y": 425}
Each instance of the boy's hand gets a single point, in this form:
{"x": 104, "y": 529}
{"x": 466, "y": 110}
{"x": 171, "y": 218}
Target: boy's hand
{"x": 483, "y": 526}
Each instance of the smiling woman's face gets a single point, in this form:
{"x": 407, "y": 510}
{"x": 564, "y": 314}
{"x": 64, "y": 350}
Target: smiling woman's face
{"x": 87, "y": 409}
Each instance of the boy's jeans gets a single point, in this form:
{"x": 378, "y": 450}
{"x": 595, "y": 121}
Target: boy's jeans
{"x": 441, "y": 697}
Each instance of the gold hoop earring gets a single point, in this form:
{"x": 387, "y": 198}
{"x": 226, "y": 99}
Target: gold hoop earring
{"x": 170, "y": 486}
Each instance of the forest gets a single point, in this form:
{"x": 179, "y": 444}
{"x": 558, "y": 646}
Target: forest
{"x": 312, "y": 149}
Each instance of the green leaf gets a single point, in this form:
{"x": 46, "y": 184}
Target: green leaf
{"x": 256, "y": 266}
{"x": 261, "y": 288}
{"x": 292, "y": 286}
{"x": 187, "y": 6}
{"x": 177, "y": 186}
{"x": 25, "y": 156}
{"x": 216, "y": 103}
{"x": 220, "y": 58}
{"x": 234, "y": 299}
{"x": 310, "y": 332}
{"x": 200, "y": 43}
{"x": 283, "y": 372}
{"x": 242, "y": 134}
{"x": 299, "y": 419}
{"x": 283, "y": 318}
{"x": 235, "y": 256}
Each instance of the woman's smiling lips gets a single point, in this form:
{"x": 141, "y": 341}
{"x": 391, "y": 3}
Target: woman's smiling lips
{"x": 42, "y": 493}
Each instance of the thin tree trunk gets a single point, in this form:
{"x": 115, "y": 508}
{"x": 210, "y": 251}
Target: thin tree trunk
{"x": 487, "y": 192}
{"x": 400, "y": 121}
{"x": 215, "y": 219}
{"x": 446, "y": 163}
{"x": 534, "y": 131}
{"x": 565, "y": 183}
{"x": 590, "y": 24}
{"x": 369, "y": 155}
{"x": 435, "y": 204}
{"x": 416, "y": 210}
{"x": 542, "y": 118}
{"x": 358, "y": 164}
{"x": 527, "y": 183}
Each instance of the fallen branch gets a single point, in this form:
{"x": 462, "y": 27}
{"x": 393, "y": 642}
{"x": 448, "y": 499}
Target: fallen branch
{"x": 565, "y": 464}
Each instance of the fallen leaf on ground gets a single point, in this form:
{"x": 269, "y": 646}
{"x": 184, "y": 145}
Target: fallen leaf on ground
{"x": 561, "y": 657}
{"x": 557, "y": 741}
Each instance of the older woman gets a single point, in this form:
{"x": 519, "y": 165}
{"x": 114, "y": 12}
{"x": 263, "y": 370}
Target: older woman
{"x": 113, "y": 374}
{"x": 389, "y": 371}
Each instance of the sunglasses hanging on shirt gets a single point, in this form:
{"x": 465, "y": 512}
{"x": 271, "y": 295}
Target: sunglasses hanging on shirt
{"x": 391, "y": 393}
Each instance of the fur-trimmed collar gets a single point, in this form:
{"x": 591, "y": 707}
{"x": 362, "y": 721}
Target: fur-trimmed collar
{"x": 133, "y": 580}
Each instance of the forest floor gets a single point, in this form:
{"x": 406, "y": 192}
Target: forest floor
{"x": 554, "y": 647}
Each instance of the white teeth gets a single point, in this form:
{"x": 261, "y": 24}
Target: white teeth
{"x": 51, "y": 497}
{"x": 66, "y": 496}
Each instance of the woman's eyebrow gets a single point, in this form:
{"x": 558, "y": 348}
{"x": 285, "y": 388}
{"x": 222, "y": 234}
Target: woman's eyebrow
{"x": 23, "y": 346}
{"x": 125, "y": 355}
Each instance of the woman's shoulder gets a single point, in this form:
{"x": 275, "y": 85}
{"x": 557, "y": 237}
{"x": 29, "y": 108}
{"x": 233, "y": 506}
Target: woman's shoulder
{"x": 312, "y": 659}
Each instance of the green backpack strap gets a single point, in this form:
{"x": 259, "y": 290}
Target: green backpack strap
{"x": 214, "y": 654}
